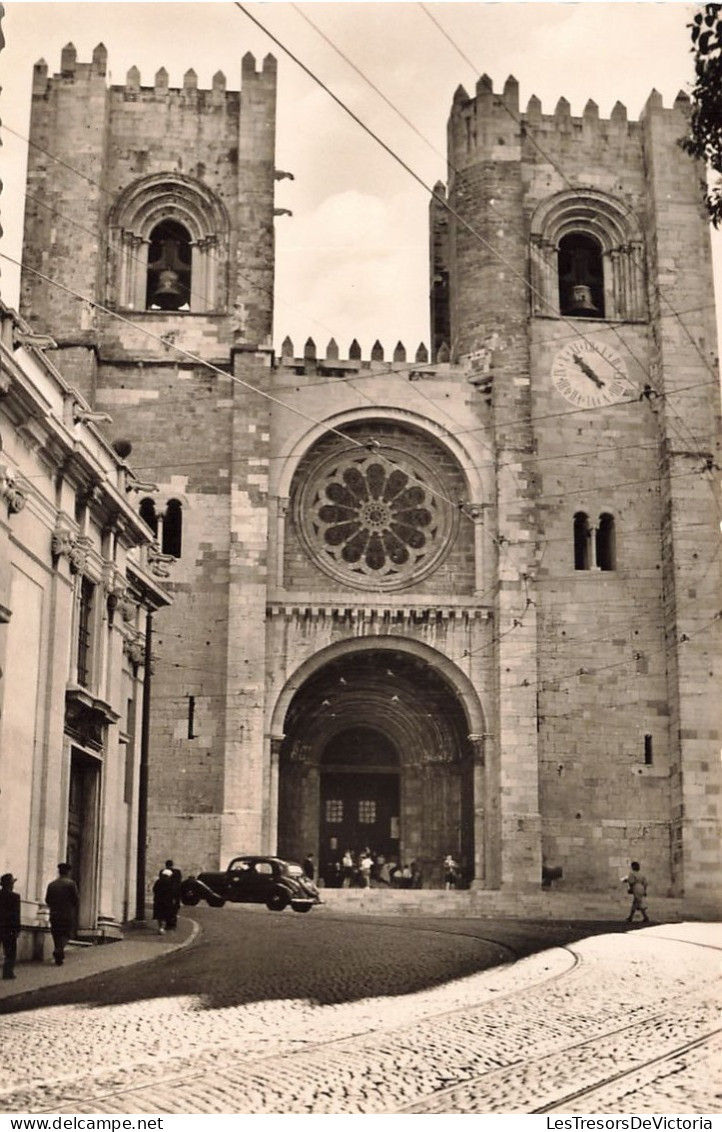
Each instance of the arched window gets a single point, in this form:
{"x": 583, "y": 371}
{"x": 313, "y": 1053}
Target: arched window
{"x": 148, "y": 515}
{"x": 165, "y": 229}
{"x": 581, "y": 276}
{"x": 587, "y": 258}
{"x": 169, "y": 268}
{"x": 606, "y": 551}
{"x": 582, "y": 541}
{"x": 172, "y": 528}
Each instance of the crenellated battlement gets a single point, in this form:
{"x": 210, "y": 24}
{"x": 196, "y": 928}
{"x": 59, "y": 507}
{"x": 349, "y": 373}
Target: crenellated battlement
{"x": 332, "y": 364}
{"x": 490, "y": 122}
{"x": 72, "y": 71}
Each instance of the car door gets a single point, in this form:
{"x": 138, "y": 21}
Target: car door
{"x": 239, "y": 881}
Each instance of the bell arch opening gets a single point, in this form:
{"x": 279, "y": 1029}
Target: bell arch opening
{"x": 377, "y": 755}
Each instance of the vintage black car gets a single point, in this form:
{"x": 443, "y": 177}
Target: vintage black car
{"x": 254, "y": 880}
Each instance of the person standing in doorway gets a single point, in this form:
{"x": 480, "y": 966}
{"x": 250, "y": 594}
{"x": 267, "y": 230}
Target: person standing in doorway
{"x": 637, "y": 888}
{"x": 9, "y": 923}
{"x": 62, "y": 898}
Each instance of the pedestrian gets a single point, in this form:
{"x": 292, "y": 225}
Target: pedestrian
{"x": 637, "y": 887}
{"x": 365, "y": 865}
{"x": 165, "y": 909}
{"x": 451, "y": 872}
{"x": 62, "y": 898}
{"x": 347, "y": 867}
{"x": 308, "y": 867}
{"x": 172, "y": 921}
{"x": 9, "y": 923}
{"x": 416, "y": 875}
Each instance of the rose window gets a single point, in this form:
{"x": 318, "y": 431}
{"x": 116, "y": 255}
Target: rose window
{"x": 375, "y": 520}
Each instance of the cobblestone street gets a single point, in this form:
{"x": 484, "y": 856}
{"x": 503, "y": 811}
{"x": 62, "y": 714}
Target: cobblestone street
{"x": 614, "y": 1023}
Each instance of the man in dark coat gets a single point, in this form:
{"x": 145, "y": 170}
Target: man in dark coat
{"x": 165, "y": 909}
{"x": 172, "y": 921}
{"x": 9, "y": 923}
{"x": 62, "y": 898}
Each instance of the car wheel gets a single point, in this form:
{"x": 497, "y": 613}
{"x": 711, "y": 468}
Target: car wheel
{"x": 302, "y": 907}
{"x": 216, "y": 901}
{"x": 277, "y": 902}
{"x": 191, "y": 896}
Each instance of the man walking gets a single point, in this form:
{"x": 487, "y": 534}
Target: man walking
{"x": 9, "y": 923}
{"x": 637, "y": 887}
{"x": 62, "y": 898}
{"x": 172, "y": 920}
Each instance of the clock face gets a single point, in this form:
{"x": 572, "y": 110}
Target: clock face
{"x": 589, "y": 374}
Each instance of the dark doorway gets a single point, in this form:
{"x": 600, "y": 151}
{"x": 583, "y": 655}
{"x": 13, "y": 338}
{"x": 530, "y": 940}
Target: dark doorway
{"x": 360, "y": 802}
{"x": 82, "y": 830}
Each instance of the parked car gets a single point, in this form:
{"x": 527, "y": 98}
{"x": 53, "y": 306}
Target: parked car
{"x": 254, "y": 880}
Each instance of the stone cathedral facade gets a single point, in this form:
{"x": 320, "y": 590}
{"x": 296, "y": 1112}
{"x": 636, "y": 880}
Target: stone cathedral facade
{"x": 463, "y": 600}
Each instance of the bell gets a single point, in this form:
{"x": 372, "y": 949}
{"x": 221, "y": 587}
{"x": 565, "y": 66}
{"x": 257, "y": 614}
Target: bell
{"x": 168, "y": 293}
{"x": 582, "y": 301}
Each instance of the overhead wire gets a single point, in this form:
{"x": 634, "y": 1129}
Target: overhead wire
{"x": 200, "y": 361}
{"x": 448, "y": 207}
{"x": 397, "y": 368}
{"x": 531, "y": 137}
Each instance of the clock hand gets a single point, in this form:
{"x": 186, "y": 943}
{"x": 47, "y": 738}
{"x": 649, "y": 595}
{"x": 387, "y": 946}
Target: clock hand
{"x": 588, "y": 371}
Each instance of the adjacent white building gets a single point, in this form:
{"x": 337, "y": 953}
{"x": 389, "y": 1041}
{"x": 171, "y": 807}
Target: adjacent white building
{"x": 79, "y": 580}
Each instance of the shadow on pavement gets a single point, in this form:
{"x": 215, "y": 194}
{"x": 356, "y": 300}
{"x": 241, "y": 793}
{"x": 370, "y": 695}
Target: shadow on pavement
{"x": 250, "y": 955}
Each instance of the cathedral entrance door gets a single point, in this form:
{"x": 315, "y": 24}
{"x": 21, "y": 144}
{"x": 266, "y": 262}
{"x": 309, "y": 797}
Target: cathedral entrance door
{"x": 360, "y": 811}
{"x": 360, "y": 798}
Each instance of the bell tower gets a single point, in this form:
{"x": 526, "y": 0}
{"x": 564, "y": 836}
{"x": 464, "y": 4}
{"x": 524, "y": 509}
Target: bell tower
{"x": 149, "y": 258}
{"x": 573, "y": 273}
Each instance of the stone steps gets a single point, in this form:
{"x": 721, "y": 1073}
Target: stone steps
{"x": 542, "y": 904}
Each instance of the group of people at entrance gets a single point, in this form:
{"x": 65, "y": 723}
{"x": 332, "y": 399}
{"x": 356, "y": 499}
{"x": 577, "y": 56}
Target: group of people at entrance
{"x": 366, "y": 869}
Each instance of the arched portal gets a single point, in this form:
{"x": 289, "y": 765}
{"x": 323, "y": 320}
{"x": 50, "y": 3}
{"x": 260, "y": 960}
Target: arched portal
{"x": 377, "y": 752}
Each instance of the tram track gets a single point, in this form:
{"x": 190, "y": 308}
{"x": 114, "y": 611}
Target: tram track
{"x": 502, "y": 1046}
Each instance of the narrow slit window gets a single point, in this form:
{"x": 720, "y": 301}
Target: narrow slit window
{"x": 85, "y": 632}
{"x": 648, "y": 750}
{"x": 191, "y": 717}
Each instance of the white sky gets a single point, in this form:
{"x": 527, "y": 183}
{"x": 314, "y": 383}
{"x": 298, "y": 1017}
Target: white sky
{"x": 353, "y": 259}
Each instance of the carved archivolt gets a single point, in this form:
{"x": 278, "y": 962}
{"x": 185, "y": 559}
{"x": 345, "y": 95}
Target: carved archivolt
{"x": 137, "y": 212}
{"x": 618, "y": 233}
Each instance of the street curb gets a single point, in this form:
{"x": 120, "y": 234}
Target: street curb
{"x": 75, "y": 975}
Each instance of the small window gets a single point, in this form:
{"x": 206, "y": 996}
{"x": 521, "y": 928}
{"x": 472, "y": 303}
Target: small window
{"x": 169, "y": 268}
{"x": 263, "y": 868}
{"x": 606, "y": 543}
{"x": 648, "y": 750}
{"x": 148, "y": 515}
{"x": 172, "y": 528}
{"x": 581, "y": 276}
{"x": 367, "y": 812}
{"x": 582, "y": 541}
{"x": 85, "y": 632}
{"x": 334, "y": 811}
